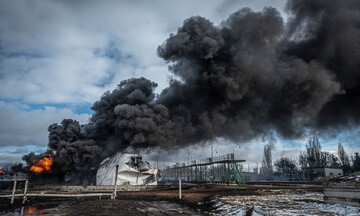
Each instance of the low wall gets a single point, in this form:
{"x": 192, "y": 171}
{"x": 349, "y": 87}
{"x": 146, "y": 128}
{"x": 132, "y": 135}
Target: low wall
{"x": 96, "y": 188}
{"x": 109, "y": 188}
{"x": 344, "y": 192}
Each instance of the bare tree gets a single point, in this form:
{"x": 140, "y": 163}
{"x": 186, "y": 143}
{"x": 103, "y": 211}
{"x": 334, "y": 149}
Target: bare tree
{"x": 314, "y": 157}
{"x": 313, "y": 149}
{"x": 303, "y": 159}
{"x": 329, "y": 160}
{"x": 356, "y": 162}
{"x": 266, "y": 164}
{"x": 344, "y": 158}
{"x": 286, "y": 166}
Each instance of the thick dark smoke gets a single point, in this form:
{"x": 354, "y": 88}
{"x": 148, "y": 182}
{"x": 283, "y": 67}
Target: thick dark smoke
{"x": 328, "y": 31}
{"x": 234, "y": 82}
{"x": 130, "y": 117}
{"x": 239, "y": 80}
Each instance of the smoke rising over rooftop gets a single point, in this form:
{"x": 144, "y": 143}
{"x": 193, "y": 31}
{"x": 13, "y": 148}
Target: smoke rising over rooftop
{"x": 238, "y": 80}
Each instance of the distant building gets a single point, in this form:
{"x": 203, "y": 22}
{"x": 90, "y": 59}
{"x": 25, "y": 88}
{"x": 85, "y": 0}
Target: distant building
{"x": 309, "y": 174}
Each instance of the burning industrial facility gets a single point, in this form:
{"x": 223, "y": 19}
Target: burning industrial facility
{"x": 239, "y": 80}
{"x": 42, "y": 165}
{"x": 248, "y": 77}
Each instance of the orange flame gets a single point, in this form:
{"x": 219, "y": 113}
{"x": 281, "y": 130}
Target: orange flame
{"x": 42, "y": 165}
{"x": 32, "y": 210}
{"x": 2, "y": 172}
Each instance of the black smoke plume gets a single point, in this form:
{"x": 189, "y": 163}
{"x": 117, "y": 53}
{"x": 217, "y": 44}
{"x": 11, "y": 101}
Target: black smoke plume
{"x": 328, "y": 31}
{"x": 238, "y": 80}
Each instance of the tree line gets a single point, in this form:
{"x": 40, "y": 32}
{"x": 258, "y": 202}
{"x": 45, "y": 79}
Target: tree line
{"x": 312, "y": 157}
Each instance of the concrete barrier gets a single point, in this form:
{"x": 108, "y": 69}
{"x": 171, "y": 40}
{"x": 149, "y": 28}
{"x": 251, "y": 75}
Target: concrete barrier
{"x": 344, "y": 192}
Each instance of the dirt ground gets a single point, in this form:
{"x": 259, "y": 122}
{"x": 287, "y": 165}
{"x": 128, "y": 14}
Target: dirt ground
{"x": 282, "y": 202}
{"x": 196, "y": 200}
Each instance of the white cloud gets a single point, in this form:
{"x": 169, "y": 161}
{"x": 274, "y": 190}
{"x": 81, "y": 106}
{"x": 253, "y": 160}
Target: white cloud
{"x": 10, "y": 159}
{"x": 20, "y": 151}
{"x": 47, "y": 48}
{"x": 19, "y": 127}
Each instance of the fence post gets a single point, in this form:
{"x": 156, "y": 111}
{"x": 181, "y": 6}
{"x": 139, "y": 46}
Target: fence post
{"x": 179, "y": 188}
{"x": 13, "y": 192}
{"x": 115, "y": 184}
{"x": 25, "y": 190}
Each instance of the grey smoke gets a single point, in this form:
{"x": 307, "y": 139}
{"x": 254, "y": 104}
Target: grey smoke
{"x": 238, "y": 80}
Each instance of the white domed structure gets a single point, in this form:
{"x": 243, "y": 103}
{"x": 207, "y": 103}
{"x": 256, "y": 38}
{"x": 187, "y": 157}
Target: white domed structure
{"x": 132, "y": 171}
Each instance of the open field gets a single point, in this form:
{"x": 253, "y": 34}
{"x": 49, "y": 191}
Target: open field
{"x": 197, "y": 199}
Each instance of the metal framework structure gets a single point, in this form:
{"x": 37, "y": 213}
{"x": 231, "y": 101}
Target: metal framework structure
{"x": 222, "y": 169}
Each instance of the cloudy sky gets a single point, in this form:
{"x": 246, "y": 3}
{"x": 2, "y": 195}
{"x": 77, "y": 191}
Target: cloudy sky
{"x": 58, "y": 57}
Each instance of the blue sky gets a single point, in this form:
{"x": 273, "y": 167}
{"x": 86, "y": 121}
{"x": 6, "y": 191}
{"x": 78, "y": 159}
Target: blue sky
{"x": 58, "y": 57}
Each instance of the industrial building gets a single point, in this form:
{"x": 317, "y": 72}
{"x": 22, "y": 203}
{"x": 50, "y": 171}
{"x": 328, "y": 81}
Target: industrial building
{"x": 311, "y": 173}
{"x": 224, "y": 169}
{"x": 132, "y": 170}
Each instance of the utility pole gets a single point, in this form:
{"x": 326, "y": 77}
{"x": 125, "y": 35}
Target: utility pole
{"x": 187, "y": 169}
{"x": 212, "y": 160}
{"x": 157, "y": 161}
{"x": 115, "y": 184}
{"x": 188, "y": 155}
